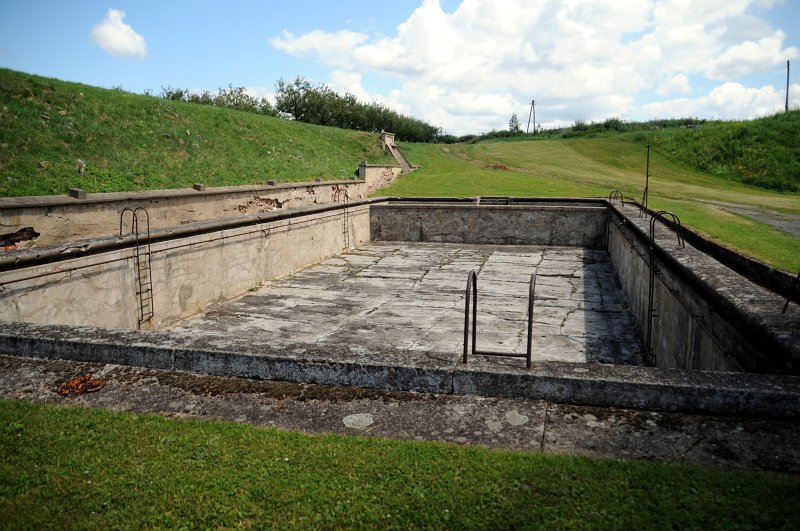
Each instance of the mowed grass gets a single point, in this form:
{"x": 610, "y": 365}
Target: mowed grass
{"x": 133, "y": 142}
{"x": 79, "y": 468}
{"x": 595, "y": 167}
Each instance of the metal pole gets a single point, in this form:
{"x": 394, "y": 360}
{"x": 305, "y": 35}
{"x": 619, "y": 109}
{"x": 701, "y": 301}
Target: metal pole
{"x": 533, "y": 108}
{"x": 786, "y": 109}
{"x": 528, "y": 128}
{"x": 646, "y": 181}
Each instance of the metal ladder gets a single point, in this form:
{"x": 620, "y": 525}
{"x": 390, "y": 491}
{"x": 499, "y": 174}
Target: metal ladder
{"x": 654, "y": 270}
{"x": 346, "y": 222}
{"x": 472, "y": 304}
{"x": 141, "y": 262}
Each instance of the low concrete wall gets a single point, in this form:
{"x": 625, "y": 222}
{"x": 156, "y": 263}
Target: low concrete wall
{"x": 377, "y": 175}
{"x": 187, "y": 273}
{"x": 562, "y": 223}
{"x": 61, "y": 218}
{"x": 707, "y": 317}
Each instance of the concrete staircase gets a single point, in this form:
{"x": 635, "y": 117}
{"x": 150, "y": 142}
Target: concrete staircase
{"x": 388, "y": 144}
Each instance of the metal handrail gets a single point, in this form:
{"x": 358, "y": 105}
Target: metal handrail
{"x": 661, "y": 214}
{"x": 616, "y": 194}
{"x": 471, "y": 304}
{"x": 651, "y": 314}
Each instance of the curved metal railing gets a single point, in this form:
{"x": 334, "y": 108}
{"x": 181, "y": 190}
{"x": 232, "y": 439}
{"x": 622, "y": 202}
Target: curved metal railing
{"x": 616, "y": 194}
{"x": 651, "y": 313}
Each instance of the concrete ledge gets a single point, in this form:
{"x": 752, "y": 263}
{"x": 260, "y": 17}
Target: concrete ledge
{"x": 106, "y": 197}
{"x": 588, "y": 384}
{"x": 639, "y": 388}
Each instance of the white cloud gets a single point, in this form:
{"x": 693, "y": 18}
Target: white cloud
{"x": 261, "y": 92}
{"x": 751, "y": 56}
{"x": 678, "y": 84}
{"x": 470, "y": 69}
{"x": 727, "y": 102}
{"x": 331, "y": 49}
{"x": 117, "y": 38}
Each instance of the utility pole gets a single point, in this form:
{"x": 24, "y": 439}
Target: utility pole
{"x": 786, "y": 109}
{"x": 643, "y": 211}
{"x": 532, "y": 113}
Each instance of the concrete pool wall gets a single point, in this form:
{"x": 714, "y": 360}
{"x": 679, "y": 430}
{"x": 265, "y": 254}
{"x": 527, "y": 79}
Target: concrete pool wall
{"x": 190, "y": 268}
{"x": 61, "y": 218}
{"x": 704, "y": 315}
{"x": 708, "y": 317}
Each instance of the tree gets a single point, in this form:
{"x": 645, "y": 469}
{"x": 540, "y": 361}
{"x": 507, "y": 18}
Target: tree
{"x": 513, "y": 124}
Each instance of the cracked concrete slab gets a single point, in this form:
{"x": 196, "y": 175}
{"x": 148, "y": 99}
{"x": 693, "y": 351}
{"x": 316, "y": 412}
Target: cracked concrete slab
{"x": 410, "y": 296}
{"x": 530, "y": 425}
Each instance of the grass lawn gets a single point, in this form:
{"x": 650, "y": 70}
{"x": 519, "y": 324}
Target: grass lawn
{"x": 81, "y": 468}
{"x": 593, "y": 168}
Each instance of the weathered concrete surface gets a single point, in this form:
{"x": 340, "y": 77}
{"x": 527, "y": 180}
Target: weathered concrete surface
{"x": 708, "y": 316}
{"x": 377, "y": 175}
{"x": 410, "y": 297}
{"x": 384, "y": 367}
{"x": 531, "y": 425}
{"x": 62, "y": 219}
{"x": 210, "y": 264}
{"x": 577, "y": 224}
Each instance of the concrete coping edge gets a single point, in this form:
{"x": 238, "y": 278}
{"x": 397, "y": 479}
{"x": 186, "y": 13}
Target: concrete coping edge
{"x": 596, "y": 384}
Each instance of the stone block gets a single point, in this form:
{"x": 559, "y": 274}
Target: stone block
{"x": 77, "y": 193}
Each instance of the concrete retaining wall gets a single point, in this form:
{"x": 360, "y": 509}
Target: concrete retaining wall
{"x": 61, "y": 218}
{"x": 377, "y": 175}
{"x": 707, "y": 317}
{"x": 580, "y": 224}
{"x": 187, "y": 273}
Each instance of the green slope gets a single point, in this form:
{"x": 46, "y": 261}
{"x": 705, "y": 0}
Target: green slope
{"x": 593, "y": 167}
{"x": 763, "y": 153}
{"x": 135, "y": 142}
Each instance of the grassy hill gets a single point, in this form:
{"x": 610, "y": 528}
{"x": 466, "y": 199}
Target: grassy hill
{"x": 763, "y": 153}
{"x": 135, "y": 142}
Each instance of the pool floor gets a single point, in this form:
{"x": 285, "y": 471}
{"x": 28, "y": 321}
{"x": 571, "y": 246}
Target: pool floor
{"x": 410, "y": 297}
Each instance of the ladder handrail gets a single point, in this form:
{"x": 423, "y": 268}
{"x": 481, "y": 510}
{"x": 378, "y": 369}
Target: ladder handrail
{"x": 616, "y": 194}
{"x": 661, "y": 214}
{"x": 651, "y": 313}
{"x": 471, "y": 303}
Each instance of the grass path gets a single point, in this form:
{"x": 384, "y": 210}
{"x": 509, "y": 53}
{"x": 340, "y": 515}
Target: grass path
{"x": 595, "y": 167}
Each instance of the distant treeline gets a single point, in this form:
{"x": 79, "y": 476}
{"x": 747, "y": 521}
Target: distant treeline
{"x": 318, "y": 104}
{"x": 579, "y": 129}
{"x": 314, "y": 104}
{"x": 229, "y": 98}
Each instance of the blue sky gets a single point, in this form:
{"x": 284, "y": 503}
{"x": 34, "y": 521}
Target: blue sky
{"x": 464, "y": 65}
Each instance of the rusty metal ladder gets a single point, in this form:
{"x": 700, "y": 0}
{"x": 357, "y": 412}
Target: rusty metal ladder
{"x": 471, "y": 303}
{"x": 142, "y": 262}
{"x": 346, "y": 222}
{"x": 654, "y": 270}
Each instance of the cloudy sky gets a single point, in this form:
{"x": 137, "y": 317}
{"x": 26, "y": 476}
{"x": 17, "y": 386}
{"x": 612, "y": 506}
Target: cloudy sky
{"x": 464, "y": 65}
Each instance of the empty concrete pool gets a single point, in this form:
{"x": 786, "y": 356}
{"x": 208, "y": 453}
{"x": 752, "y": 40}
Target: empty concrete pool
{"x": 373, "y": 293}
{"x": 410, "y": 296}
